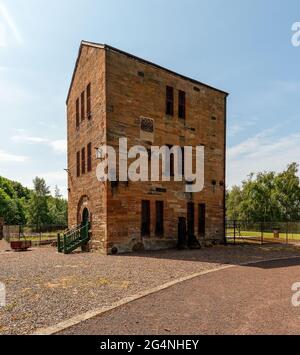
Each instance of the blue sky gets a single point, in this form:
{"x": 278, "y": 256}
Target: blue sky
{"x": 243, "y": 47}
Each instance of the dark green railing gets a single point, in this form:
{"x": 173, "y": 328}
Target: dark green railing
{"x": 73, "y": 239}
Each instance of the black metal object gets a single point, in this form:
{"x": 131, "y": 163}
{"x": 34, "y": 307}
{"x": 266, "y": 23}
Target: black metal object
{"x": 182, "y": 240}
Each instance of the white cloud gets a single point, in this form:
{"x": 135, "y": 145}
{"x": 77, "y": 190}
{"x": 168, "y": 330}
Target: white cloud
{"x": 11, "y": 158}
{"x": 58, "y": 146}
{"x": 236, "y": 128}
{"x": 262, "y": 152}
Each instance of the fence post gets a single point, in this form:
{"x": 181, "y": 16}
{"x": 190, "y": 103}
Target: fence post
{"x": 287, "y": 233}
{"x": 65, "y": 244}
{"x": 262, "y": 233}
{"x": 58, "y": 243}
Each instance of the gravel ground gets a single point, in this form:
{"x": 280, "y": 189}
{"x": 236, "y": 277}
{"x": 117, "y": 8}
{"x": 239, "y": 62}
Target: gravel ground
{"x": 239, "y": 301}
{"x": 45, "y": 288}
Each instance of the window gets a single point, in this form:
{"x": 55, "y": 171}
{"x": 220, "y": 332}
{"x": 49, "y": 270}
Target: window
{"x": 89, "y": 157}
{"x": 78, "y": 164}
{"x": 88, "y": 101}
{"x": 83, "y": 161}
{"x": 170, "y": 101}
{"x": 181, "y": 105}
{"x": 159, "y": 230}
{"x": 145, "y": 228}
{"x": 77, "y": 114}
{"x": 82, "y": 106}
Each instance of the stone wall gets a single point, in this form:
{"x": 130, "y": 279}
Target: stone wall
{"x": 131, "y": 95}
{"x": 86, "y": 191}
{"x": 125, "y": 89}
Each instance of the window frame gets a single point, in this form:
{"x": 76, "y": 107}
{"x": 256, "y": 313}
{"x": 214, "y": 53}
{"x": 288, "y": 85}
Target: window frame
{"x": 182, "y": 104}
{"x": 77, "y": 113}
{"x": 88, "y": 101}
{"x": 169, "y": 100}
{"x": 82, "y": 96}
{"x": 83, "y": 162}
{"x": 78, "y": 164}
{"x": 89, "y": 157}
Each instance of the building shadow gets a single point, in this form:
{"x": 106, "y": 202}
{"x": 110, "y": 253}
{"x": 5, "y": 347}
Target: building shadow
{"x": 231, "y": 255}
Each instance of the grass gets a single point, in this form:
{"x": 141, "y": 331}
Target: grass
{"x": 266, "y": 235}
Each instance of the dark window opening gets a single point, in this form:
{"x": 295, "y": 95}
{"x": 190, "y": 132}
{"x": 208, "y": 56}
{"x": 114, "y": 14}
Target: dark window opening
{"x": 172, "y": 173}
{"x": 141, "y": 74}
{"x": 77, "y": 114}
{"x": 89, "y": 157}
{"x": 82, "y": 106}
{"x": 88, "y": 101}
{"x": 145, "y": 228}
{"x": 78, "y": 164}
{"x": 201, "y": 220}
{"x": 183, "y": 161}
{"x": 159, "y": 230}
{"x": 181, "y": 105}
{"x": 83, "y": 161}
{"x": 191, "y": 218}
{"x": 170, "y": 101}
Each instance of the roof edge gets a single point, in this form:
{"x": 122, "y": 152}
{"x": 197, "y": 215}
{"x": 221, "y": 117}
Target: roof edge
{"x": 113, "y": 49}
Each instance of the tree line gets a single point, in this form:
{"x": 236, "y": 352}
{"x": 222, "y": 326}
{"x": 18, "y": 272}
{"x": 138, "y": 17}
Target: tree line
{"x": 266, "y": 197}
{"x": 36, "y": 208}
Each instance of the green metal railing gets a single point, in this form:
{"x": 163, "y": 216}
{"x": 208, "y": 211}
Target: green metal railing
{"x": 73, "y": 239}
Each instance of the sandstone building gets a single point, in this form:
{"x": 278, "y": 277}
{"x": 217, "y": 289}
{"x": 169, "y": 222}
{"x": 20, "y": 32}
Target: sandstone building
{"x": 111, "y": 95}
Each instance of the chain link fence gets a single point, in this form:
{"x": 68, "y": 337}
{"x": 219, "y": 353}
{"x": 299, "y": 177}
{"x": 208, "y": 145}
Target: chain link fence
{"x": 238, "y": 232}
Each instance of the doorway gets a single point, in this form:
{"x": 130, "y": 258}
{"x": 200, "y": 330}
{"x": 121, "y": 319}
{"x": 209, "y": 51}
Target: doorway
{"x": 191, "y": 219}
{"x": 85, "y": 217}
{"x": 202, "y": 220}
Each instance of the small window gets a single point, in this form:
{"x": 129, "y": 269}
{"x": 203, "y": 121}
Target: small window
{"x": 145, "y": 228}
{"x": 181, "y": 104}
{"x": 88, "y": 102}
{"x": 82, "y": 106}
{"x": 159, "y": 230}
{"x": 170, "y": 101}
{"x": 78, "y": 164}
{"x": 147, "y": 125}
{"x": 83, "y": 161}
{"x": 77, "y": 114}
{"x": 89, "y": 157}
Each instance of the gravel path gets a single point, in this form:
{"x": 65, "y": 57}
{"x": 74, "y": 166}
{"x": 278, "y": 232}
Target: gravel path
{"x": 45, "y": 288}
{"x": 252, "y": 300}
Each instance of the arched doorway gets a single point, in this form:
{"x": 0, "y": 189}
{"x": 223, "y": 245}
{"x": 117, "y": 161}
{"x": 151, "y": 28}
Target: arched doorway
{"x": 85, "y": 217}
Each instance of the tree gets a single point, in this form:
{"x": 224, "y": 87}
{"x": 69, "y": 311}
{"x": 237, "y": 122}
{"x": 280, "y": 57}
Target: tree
{"x": 266, "y": 197}
{"x": 58, "y": 209}
{"x": 38, "y": 211}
